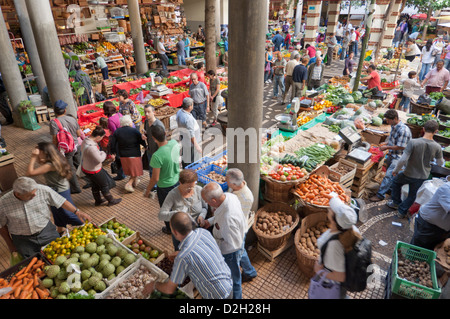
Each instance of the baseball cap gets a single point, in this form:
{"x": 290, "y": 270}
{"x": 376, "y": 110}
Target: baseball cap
{"x": 60, "y": 104}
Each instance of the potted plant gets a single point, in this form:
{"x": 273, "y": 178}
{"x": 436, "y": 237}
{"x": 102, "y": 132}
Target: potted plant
{"x": 28, "y": 115}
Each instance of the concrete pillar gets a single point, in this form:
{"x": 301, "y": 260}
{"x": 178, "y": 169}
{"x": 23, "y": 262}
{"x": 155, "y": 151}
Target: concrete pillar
{"x": 11, "y": 76}
{"x": 391, "y": 25}
{"x": 137, "y": 36}
{"x": 334, "y": 8}
{"x": 377, "y": 23}
{"x": 210, "y": 35}
{"x": 314, "y": 8}
{"x": 246, "y": 85}
{"x": 30, "y": 43}
{"x": 224, "y": 12}
{"x": 49, "y": 49}
{"x": 298, "y": 17}
{"x": 218, "y": 28}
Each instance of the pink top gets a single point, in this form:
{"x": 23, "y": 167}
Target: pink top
{"x": 447, "y": 56}
{"x": 114, "y": 122}
{"x": 311, "y": 51}
{"x": 437, "y": 79}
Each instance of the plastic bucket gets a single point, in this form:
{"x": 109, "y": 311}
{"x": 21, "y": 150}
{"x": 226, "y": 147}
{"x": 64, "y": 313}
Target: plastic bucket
{"x": 36, "y": 99}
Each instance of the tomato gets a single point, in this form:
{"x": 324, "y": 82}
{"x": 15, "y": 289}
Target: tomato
{"x": 277, "y": 177}
{"x": 301, "y": 175}
{"x": 289, "y": 177}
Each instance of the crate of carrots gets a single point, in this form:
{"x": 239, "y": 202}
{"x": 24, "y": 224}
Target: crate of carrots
{"x": 315, "y": 191}
{"x": 23, "y": 280}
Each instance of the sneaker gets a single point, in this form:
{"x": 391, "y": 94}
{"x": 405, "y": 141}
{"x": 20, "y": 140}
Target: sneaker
{"x": 400, "y": 216}
{"x": 165, "y": 230}
{"x": 270, "y": 81}
{"x": 246, "y": 278}
{"x": 375, "y": 198}
{"x": 391, "y": 204}
{"x": 274, "y": 97}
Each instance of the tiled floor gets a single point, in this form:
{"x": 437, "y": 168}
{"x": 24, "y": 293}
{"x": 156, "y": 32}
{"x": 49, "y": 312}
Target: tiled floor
{"x": 279, "y": 279}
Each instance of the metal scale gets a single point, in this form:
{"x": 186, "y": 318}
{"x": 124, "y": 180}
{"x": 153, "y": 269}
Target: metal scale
{"x": 288, "y": 120}
{"x": 357, "y": 149}
{"x": 160, "y": 90}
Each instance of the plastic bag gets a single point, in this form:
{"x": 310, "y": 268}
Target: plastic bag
{"x": 424, "y": 99}
{"x": 427, "y": 190}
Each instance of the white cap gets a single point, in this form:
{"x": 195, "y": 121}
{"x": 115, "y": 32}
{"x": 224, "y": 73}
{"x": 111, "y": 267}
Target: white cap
{"x": 345, "y": 215}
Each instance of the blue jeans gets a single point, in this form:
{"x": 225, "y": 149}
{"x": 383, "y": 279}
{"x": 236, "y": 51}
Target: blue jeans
{"x": 233, "y": 261}
{"x": 105, "y": 73}
{"x": 343, "y": 53}
{"x": 427, "y": 235}
{"x": 405, "y": 103}
{"x": 63, "y": 217}
{"x": 247, "y": 267}
{"x": 414, "y": 185}
{"x": 164, "y": 61}
{"x": 199, "y": 111}
{"x": 386, "y": 183}
{"x": 424, "y": 70}
{"x": 278, "y": 81}
{"x": 181, "y": 60}
{"x": 188, "y": 52}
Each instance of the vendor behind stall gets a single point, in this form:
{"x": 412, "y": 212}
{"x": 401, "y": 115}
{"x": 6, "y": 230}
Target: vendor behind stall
{"x": 373, "y": 80}
{"x": 437, "y": 79}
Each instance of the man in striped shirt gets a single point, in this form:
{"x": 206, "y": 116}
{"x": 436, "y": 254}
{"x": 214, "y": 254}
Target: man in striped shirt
{"x": 199, "y": 258}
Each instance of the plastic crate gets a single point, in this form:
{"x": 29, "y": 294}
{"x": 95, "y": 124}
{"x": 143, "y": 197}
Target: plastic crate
{"x": 405, "y": 288}
{"x": 204, "y": 179}
{"x": 201, "y": 163}
{"x": 219, "y": 156}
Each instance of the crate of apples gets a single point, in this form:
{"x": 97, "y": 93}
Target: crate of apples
{"x": 145, "y": 248}
{"x": 287, "y": 172}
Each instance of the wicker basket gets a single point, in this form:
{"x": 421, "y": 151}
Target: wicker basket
{"x": 276, "y": 191}
{"x": 274, "y": 242}
{"x": 416, "y": 130}
{"x": 420, "y": 109}
{"x": 306, "y": 262}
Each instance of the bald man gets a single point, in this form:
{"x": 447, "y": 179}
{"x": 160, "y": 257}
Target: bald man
{"x": 229, "y": 229}
{"x": 199, "y": 259}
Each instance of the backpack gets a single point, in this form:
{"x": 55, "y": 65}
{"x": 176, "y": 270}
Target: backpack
{"x": 357, "y": 263}
{"x": 66, "y": 143}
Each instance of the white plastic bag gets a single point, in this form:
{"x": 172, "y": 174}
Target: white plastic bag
{"x": 427, "y": 190}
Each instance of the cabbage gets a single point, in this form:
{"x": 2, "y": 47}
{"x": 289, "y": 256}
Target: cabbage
{"x": 357, "y": 95}
{"x": 376, "y": 121}
{"x": 348, "y": 99}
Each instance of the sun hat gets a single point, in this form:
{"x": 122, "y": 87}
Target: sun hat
{"x": 345, "y": 215}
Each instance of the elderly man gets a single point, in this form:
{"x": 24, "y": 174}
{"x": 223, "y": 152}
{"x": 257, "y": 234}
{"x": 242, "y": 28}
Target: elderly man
{"x": 288, "y": 81}
{"x": 25, "y": 218}
{"x": 229, "y": 229}
{"x": 437, "y": 79}
{"x": 181, "y": 53}
{"x": 278, "y": 75}
{"x": 398, "y": 139}
{"x": 315, "y": 74}
{"x": 198, "y": 91}
{"x": 331, "y": 44}
{"x": 238, "y": 187}
{"x": 190, "y": 134}
{"x": 199, "y": 259}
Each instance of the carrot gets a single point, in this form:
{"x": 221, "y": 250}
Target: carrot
{"x": 17, "y": 291}
{"x": 34, "y": 295}
{"x": 25, "y": 294}
{"x": 32, "y": 262}
{"x": 42, "y": 293}
{"x": 21, "y": 276}
{"x": 20, "y": 271}
{"x": 16, "y": 284}
{"x": 29, "y": 285}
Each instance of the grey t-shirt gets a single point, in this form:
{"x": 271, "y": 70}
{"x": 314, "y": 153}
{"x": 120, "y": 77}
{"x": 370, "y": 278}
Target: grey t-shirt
{"x": 199, "y": 93}
{"x": 421, "y": 152}
{"x": 437, "y": 210}
{"x": 67, "y": 122}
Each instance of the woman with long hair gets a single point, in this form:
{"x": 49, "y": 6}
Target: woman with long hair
{"x": 57, "y": 172}
{"x": 427, "y": 59}
{"x": 92, "y": 165}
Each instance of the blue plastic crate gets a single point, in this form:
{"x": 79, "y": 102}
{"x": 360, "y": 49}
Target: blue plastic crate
{"x": 201, "y": 163}
{"x": 204, "y": 179}
{"x": 219, "y": 156}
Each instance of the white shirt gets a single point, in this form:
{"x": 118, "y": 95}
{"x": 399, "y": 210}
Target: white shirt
{"x": 409, "y": 86}
{"x": 334, "y": 258}
{"x": 340, "y": 31}
{"x": 353, "y": 36}
{"x": 415, "y": 50}
{"x": 426, "y": 55}
{"x": 246, "y": 198}
{"x": 290, "y": 66}
{"x": 160, "y": 48}
{"x": 229, "y": 225}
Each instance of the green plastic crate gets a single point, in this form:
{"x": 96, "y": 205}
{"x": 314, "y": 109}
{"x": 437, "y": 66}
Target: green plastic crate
{"x": 405, "y": 288}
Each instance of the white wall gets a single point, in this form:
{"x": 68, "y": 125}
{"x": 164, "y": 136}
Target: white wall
{"x": 195, "y": 13}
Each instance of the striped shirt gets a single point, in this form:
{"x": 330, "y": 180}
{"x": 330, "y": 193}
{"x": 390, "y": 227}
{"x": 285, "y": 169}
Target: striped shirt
{"x": 28, "y": 217}
{"x": 200, "y": 259}
{"x": 400, "y": 136}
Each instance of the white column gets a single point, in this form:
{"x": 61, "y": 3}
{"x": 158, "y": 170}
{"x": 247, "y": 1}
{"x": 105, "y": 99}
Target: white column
{"x": 314, "y": 8}
{"x": 334, "y": 9}
{"x": 377, "y": 23}
{"x": 137, "y": 36}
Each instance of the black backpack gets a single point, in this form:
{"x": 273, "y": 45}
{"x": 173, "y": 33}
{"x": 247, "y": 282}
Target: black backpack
{"x": 357, "y": 263}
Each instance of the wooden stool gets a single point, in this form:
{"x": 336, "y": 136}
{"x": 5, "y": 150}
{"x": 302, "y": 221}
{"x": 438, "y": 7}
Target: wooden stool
{"x": 41, "y": 113}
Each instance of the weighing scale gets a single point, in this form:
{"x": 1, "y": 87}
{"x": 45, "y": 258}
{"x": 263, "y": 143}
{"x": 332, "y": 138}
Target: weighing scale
{"x": 160, "y": 90}
{"x": 288, "y": 120}
{"x": 357, "y": 150}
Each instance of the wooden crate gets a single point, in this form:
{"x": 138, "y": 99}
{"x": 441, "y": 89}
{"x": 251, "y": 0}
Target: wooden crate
{"x": 272, "y": 254}
{"x": 6, "y": 160}
{"x": 41, "y": 113}
{"x": 342, "y": 179}
{"x": 51, "y": 114}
